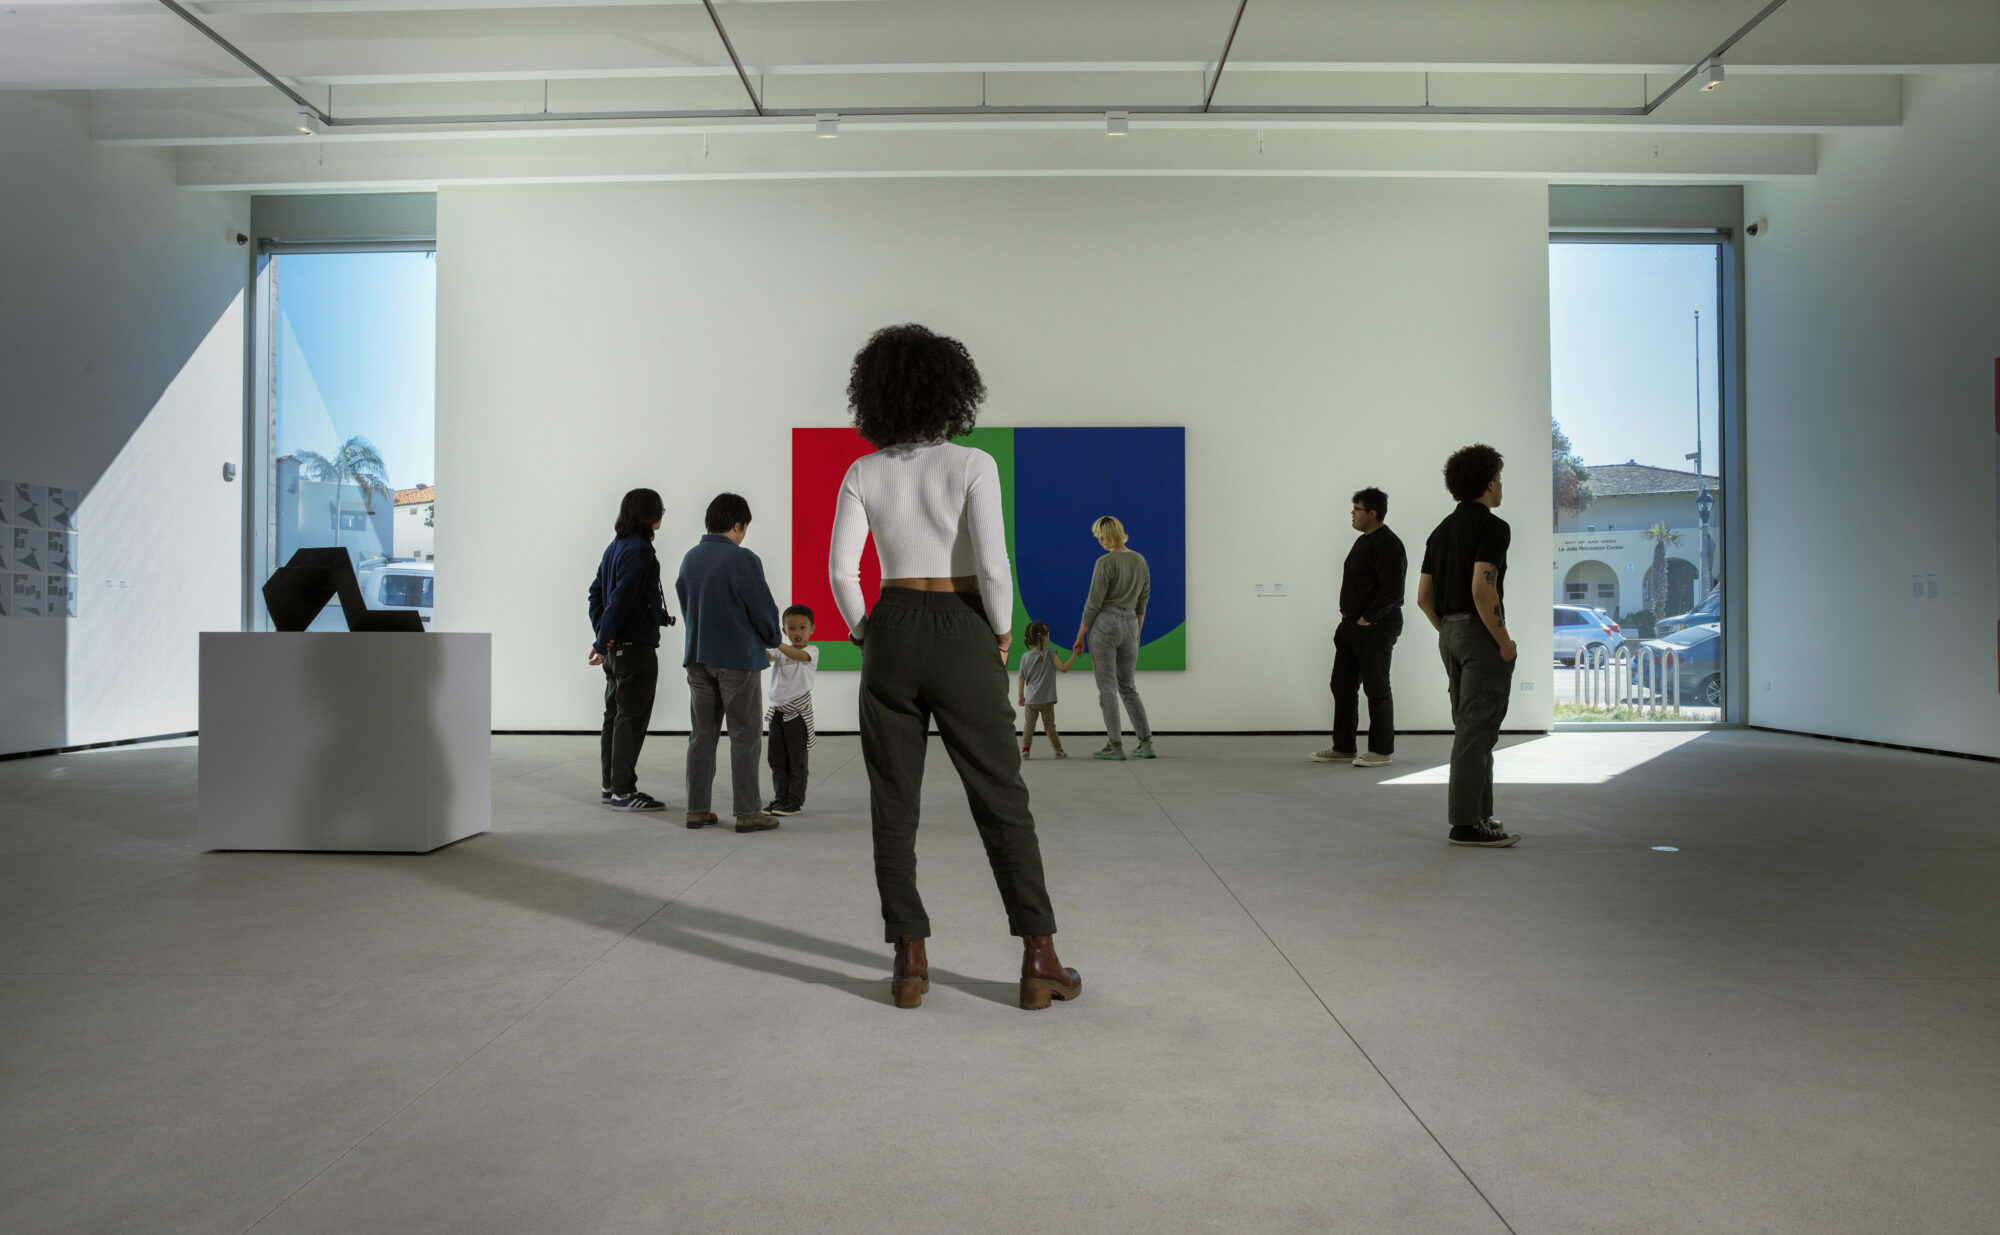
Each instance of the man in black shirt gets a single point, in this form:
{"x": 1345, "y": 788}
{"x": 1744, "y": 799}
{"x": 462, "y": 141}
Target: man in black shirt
{"x": 1371, "y": 619}
{"x": 1462, "y": 590}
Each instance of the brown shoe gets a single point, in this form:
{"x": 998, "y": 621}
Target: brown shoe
{"x": 911, "y": 979}
{"x": 1043, "y": 976}
{"x": 701, "y": 819}
{"x": 756, "y": 823}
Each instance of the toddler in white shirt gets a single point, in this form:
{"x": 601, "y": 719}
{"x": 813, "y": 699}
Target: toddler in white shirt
{"x": 794, "y": 664}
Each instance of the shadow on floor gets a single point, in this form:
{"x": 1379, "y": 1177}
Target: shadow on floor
{"x": 712, "y": 934}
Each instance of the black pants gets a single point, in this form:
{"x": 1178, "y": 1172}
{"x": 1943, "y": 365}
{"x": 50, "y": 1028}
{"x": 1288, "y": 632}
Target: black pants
{"x": 788, "y": 761}
{"x": 925, "y": 656}
{"x": 631, "y": 677}
{"x": 1361, "y": 659}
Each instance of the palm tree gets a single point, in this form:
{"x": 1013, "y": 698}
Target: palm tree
{"x": 1661, "y": 535}
{"x": 356, "y": 462}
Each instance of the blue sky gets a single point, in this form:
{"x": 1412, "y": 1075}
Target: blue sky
{"x": 366, "y": 325}
{"x": 1622, "y": 350}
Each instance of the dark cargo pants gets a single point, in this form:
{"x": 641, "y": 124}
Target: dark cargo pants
{"x": 1481, "y": 685}
{"x": 631, "y": 678}
{"x": 932, "y": 654}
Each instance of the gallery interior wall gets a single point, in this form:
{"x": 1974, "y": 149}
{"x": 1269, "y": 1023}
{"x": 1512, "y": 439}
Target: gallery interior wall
{"x": 1874, "y": 326}
{"x": 1313, "y": 337}
{"x": 121, "y": 340}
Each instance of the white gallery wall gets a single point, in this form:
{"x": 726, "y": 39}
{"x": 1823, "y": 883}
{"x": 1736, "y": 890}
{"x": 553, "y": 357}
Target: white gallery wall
{"x": 1873, "y": 331}
{"x": 121, "y": 344}
{"x": 1314, "y": 336}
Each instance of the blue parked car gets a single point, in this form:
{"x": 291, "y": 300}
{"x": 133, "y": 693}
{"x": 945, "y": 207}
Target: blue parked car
{"x": 1695, "y": 654}
{"x": 1706, "y": 613}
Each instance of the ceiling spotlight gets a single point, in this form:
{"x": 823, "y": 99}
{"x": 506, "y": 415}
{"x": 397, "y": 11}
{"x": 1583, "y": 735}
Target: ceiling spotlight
{"x": 305, "y": 121}
{"x": 1117, "y": 123}
{"x": 826, "y": 124}
{"x": 1713, "y": 68}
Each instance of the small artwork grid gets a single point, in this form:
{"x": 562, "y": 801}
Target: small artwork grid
{"x": 39, "y": 560}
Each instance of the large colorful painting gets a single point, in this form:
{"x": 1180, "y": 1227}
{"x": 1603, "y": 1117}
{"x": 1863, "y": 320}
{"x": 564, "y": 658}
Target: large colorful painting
{"x": 1054, "y": 484}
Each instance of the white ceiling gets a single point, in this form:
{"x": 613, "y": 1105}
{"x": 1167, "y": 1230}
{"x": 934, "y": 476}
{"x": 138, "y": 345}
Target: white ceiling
{"x": 147, "y": 77}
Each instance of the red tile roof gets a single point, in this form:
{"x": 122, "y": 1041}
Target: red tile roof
{"x": 416, "y": 497}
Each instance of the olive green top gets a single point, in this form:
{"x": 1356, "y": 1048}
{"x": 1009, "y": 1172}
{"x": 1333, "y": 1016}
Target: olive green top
{"x": 1121, "y": 580}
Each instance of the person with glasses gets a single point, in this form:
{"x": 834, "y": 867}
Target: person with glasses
{"x": 1371, "y": 620}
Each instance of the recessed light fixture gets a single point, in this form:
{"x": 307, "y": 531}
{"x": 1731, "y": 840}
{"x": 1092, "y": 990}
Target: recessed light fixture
{"x": 1713, "y": 68}
{"x": 305, "y": 121}
{"x": 1117, "y": 123}
{"x": 826, "y": 124}
{"x": 1666, "y": 849}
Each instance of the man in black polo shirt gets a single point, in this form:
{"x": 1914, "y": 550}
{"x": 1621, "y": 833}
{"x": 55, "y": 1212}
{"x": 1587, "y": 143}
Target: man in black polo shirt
{"x": 1462, "y": 590}
{"x": 1371, "y": 619}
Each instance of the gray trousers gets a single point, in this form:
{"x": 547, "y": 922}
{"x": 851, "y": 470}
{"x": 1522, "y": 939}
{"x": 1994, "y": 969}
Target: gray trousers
{"x": 1480, "y": 684}
{"x": 1114, "y": 656}
{"x": 713, "y": 695}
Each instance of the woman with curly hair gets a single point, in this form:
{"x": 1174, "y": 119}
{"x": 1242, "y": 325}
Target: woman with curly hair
{"x": 935, "y": 644}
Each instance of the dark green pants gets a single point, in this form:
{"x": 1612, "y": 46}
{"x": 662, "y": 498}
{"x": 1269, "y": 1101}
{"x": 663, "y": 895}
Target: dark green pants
{"x": 1481, "y": 685}
{"x": 925, "y": 655}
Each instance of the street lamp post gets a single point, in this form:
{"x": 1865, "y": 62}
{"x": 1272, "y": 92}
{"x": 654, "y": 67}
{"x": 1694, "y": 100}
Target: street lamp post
{"x": 1704, "y": 502}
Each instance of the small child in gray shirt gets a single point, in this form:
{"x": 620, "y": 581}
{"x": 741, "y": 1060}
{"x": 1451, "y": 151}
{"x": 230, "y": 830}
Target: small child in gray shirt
{"x": 1037, "y": 693}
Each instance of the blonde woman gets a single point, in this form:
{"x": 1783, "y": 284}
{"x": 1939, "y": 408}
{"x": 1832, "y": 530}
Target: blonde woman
{"x": 1120, "y": 585}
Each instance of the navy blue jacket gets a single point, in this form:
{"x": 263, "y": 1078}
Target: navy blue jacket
{"x": 731, "y": 617}
{"x": 627, "y": 600}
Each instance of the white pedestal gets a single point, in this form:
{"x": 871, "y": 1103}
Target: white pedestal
{"x": 345, "y": 741}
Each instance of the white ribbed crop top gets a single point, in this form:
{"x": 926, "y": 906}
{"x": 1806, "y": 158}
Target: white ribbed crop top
{"x": 935, "y": 513}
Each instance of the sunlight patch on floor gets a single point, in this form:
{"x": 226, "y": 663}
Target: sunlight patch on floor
{"x": 1567, "y": 758}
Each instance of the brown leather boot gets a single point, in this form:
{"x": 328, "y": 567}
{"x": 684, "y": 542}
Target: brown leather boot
{"x": 1043, "y": 976}
{"x": 911, "y": 980}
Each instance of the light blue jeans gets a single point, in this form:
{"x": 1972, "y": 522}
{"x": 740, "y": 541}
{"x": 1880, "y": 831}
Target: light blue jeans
{"x": 1114, "y": 655}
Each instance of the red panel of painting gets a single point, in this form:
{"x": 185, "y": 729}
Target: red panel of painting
{"x": 820, "y": 459}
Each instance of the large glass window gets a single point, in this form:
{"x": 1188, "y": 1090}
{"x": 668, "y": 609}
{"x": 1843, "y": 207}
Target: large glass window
{"x": 1634, "y": 332}
{"x": 351, "y": 345}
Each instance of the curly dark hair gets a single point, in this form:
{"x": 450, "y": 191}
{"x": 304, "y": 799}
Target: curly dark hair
{"x": 910, "y": 385}
{"x": 1372, "y": 499}
{"x": 1469, "y": 471}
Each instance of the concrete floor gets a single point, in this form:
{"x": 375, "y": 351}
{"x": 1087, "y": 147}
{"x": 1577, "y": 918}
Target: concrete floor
{"x": 1302, "y": 1011}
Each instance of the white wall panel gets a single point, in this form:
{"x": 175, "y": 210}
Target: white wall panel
{"x": 1313, "y": 337}
{"x": 1874, "y": 326}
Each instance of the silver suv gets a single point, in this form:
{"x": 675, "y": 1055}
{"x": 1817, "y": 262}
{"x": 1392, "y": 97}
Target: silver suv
{"x": 1586, "y": 633}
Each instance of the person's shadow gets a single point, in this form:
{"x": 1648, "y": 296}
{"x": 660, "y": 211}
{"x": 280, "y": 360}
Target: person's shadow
{"x": 713, "y": 934}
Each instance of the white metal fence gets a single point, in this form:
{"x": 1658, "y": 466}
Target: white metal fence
{"x": 1647, "y": 682}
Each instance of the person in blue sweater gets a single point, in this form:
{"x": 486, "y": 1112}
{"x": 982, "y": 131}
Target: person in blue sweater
{"x": 628, "y": 605}
{"x": 731, "y": 620}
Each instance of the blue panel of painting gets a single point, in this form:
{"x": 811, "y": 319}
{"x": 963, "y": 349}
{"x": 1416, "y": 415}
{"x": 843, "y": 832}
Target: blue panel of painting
{"x": 1064, "y": 479}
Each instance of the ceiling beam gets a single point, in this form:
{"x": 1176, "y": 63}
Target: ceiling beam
{"x": 758, "y": 152}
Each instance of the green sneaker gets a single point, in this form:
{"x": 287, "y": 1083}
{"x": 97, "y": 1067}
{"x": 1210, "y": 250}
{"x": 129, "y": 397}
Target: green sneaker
{"x": 1144, "y": 750}
{"x": 1112, "y": 750}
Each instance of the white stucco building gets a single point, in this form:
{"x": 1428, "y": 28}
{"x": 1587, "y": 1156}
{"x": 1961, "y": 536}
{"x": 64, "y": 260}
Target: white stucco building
{"x": 1603, "y": 557}
{"x": 415, "y": 537}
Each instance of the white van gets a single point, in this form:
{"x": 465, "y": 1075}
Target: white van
{"x": 400, "y": 585}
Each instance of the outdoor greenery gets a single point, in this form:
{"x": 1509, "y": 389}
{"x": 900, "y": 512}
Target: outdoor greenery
{"x": 1661, "y": 535}
{"x": 1578, "y": 711}
{"x": 1571, "y": 478}
{"x": 1640, "y": 620}
{"x": 358, "y": 463}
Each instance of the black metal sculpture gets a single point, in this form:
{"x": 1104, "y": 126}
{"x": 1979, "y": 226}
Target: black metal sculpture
{"x": 298, "y": 590}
